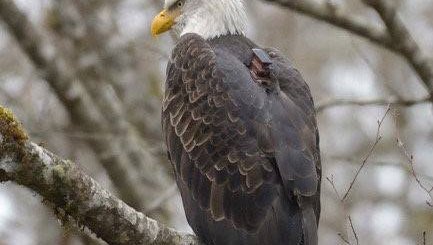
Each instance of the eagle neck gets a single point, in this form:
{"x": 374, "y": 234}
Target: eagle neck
{"x": 211, "y": 19}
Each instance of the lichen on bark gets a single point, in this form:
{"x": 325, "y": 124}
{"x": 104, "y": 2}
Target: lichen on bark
{"x": 10, "y": 128}
{"x": 73, "y": 195}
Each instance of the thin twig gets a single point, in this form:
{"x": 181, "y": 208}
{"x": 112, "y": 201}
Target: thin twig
{"x": 353, "y": 230}
{"x": 411, "y": 163}
{"x": 370, "y": 152}
{"x": 332, "y": 183}
{"x": 345, "y": 240}
{"x": 349, "y": 218}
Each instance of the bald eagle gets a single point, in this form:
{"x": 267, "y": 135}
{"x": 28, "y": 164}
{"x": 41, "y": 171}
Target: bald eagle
{"x": 240, "y": 128}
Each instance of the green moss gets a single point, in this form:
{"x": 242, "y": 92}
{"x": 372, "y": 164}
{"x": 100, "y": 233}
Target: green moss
{"x": 10, "y": 128}
{"x": 59, "y": 172}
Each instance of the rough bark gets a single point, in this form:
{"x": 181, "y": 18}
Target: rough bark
{"x": 74, "y": 195}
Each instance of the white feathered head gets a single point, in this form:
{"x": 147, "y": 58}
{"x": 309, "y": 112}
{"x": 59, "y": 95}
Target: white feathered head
{"x": 207, "y": 18}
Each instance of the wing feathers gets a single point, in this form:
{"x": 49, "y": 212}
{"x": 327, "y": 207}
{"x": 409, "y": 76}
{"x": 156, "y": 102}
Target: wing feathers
{"x": 217, "y": 197}
{"x": 240, "y": 143}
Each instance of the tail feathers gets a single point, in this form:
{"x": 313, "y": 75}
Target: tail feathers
{"x": 309, "y": 226}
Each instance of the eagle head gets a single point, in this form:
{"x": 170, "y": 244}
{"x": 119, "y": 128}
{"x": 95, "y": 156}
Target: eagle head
{"x": 207, "y": 18}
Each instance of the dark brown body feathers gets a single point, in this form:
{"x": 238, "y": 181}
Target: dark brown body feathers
{"x": 246, "y": 158}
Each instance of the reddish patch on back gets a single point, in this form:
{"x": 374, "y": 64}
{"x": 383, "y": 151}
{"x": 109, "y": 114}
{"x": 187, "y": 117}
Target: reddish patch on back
{"x": 259, "y": 67}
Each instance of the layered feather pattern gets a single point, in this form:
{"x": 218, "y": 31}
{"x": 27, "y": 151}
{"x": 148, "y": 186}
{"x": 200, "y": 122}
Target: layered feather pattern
{"x": 246, "y": 158}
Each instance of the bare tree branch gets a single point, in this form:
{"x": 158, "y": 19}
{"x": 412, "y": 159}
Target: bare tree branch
{"x": 73, "y": 194}
{"x": 344, "y": 239}
{"x": 72, "y": 95}
{"x": 395, "y": 37}
{"x": 378, "y": 102}
{"x": 352, "y": 227}
{"x": 331, "y": 14}
{"x": 404, "y": 42}
{"x": 334, "y": 188}
{"x": 88, "y": 115}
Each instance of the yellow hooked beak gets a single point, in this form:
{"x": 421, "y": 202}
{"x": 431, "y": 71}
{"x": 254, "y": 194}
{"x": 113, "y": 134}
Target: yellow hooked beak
{"x": 163, "y": 22}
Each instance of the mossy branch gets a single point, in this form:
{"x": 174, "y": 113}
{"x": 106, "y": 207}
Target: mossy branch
{"x": 73, "y": 194}
{"x": 10, "y": 128}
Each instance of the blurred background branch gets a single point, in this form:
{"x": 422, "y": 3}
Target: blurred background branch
{"x": 404, "y": 42}
{"x": 377, "y": 102}
{"x": 394, "y": 37}
{"x": 332, "y": 13}
{"x": 93, "y": 107}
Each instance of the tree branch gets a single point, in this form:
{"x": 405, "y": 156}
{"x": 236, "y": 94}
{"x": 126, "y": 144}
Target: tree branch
{"x": 88, "y": 115}
{"x": 331, "y": 14}
{"x": 73, "y": 194}
{"x": 403, "y": 41}
{"x": 377, "y": 102}
{"x": 395, "y": 37}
